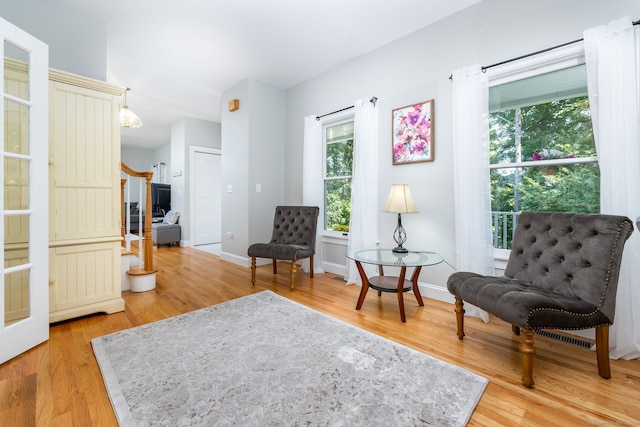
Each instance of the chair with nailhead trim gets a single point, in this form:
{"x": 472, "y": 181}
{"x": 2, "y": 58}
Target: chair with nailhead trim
{"x": 293, "y": 238}
{"x": 562, "y": 274}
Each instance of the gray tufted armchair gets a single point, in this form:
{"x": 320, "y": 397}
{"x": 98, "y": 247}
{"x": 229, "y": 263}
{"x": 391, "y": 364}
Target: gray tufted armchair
{"x": 293, "y": 238}
{"x": 562, "y": 274}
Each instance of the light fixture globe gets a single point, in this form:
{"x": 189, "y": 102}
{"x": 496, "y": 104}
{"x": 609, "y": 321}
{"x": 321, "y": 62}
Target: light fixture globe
{"x": 128, "y": 119}
{"x": 400, "y": 201}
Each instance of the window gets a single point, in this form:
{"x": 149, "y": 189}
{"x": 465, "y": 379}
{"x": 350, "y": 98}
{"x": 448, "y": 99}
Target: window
{"x": 542, "y": 151}
{"x": 337, "y": 171}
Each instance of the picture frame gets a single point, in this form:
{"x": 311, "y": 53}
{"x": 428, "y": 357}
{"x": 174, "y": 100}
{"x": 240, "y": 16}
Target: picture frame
{"x": 412, "y": 139}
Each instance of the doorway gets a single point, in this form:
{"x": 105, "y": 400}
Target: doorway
{"x": 207, "y": 198}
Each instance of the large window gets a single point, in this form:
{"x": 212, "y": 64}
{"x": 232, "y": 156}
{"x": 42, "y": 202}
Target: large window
{"x": 338, "y": 166}
{"x": 542, "y": 151}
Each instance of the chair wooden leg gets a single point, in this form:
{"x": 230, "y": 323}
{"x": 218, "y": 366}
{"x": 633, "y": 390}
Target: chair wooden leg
{"x": 253, "y": 271}
{"x": 293, "y": 274}
{"x": 602, "y": 351}
{"x": 311, "y": 267}
{"x": 528, "y": 351}
{"x": 460, "y": 317}
{"x": 275, "y": 266}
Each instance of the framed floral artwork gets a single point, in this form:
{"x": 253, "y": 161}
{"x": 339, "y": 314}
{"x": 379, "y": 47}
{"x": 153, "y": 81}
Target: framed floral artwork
{"x": 412, "y": 139}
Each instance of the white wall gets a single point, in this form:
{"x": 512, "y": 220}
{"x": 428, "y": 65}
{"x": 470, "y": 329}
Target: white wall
{"x": 143, "y": 160}
{"x": 235, "y": 173}
{"x": 76, "y": 44}
{"x": 417, "y": 68}
{"x": 253, "y": 152}
{"x": 161, "y": 155}
{"x": 266, "y": 160}
{"x": 186, "y": 133}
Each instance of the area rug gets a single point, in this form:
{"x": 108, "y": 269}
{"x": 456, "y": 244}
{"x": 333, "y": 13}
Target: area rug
{"x": 263, "y": 360}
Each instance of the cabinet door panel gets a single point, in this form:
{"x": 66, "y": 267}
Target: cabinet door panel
{"x": 86, "y": 163}
{"x": 84, "y": 274}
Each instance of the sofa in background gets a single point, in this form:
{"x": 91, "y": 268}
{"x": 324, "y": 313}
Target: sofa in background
{"x": 135, "y": 216}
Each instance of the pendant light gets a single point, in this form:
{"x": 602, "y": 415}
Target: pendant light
{"x": 128, "y": 119}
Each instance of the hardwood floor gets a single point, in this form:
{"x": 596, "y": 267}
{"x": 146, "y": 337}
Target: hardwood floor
{"x": 59, "y": 383}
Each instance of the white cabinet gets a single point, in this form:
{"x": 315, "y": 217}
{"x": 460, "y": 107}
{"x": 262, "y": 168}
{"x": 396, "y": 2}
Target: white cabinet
{"x": 84, "y": 197}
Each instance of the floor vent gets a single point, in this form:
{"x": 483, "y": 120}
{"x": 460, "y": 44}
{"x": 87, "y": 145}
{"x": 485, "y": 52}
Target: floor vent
{"x": 565, "y": 338}
{"x": 338, "y": 278}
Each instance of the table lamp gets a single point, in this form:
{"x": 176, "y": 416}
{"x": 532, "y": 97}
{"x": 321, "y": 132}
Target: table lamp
{"x": 400, "y": 202}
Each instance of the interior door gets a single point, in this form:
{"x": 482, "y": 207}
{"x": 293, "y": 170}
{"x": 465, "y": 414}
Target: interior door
{"x": 208, "y": 197}
{"x": 24, "y": 268}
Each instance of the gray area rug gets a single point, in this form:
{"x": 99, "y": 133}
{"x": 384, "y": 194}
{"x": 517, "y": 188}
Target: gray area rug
{"x": 263, "y": 360}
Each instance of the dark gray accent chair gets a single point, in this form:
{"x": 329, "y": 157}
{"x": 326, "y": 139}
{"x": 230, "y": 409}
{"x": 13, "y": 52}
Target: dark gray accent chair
{"x": 562, "y": 274}
{"x": 293, "y": 238}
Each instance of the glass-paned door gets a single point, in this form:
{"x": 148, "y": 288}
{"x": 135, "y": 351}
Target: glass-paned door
{"x": 24, "y": 285}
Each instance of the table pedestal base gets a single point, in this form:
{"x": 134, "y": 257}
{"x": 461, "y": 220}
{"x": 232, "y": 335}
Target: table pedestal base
{"x": 384, "y": 283}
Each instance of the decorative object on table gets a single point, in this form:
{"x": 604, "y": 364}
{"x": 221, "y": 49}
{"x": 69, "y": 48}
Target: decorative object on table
{"x": 400, "y": 202}
{"x": 291, "y": 365}
{"x": 412, "y": 139}
{"x": 562, "y": 274}
{"x": 128, "y": 119}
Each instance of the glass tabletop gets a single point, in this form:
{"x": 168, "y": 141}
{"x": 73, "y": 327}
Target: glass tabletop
{"x": 389, "y": 258}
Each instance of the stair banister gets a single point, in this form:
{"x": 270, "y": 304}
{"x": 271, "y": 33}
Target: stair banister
{"x": 148, "y": 243}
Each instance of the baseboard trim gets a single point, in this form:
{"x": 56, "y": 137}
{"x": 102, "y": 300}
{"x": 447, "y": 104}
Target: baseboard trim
{"x": 333, "y": 268}
{"x": 236, "y": 259}
{"x": 436, "y": 292}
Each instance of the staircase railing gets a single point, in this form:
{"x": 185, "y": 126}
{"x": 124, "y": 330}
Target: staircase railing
{"x": 146, "y": 242}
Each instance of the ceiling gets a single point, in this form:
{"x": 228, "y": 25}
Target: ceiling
{"x": 179, "y": 57}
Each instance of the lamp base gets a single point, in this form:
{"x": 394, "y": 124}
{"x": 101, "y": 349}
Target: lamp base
{"x": 400, "y": 250}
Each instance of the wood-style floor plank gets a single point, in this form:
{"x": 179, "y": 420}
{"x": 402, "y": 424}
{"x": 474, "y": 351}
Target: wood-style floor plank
{"x": 59, "y": 383}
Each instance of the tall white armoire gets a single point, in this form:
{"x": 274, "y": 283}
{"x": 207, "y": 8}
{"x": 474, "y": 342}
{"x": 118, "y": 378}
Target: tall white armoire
{"x": 84, "y": 197}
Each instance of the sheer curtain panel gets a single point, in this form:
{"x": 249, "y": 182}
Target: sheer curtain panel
{"x": 363, "y": 226}
{"x": 611, "y": 53}
{"x": 312, "y": 184}
{"x": 472, "y": 190}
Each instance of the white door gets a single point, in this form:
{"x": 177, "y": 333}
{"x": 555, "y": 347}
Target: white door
{"x": 24, "y": 268}
{"x": 208, "y": 197}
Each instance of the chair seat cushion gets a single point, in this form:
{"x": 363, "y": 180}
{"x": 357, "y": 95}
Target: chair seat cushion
{"x": 523, "y": 305}
{"x": 279, "y": 251}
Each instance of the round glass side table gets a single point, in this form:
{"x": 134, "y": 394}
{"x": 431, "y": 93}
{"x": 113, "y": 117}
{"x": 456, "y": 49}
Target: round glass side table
{"x": 398, "y": 284}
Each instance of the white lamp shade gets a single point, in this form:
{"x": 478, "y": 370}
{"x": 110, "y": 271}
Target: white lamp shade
{"x": 400, "y": 200}
{"x": 129, "y": 119}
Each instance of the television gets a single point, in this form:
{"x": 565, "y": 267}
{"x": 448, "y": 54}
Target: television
{"x": 160, "y": 199}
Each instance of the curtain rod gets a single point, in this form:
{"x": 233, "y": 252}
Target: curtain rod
{"x": 372, "y": 100}
{"x": 486, "y": 67}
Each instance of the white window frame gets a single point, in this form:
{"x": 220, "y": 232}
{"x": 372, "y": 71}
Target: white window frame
{"x": 556, "y": 59}
{"x": 330, "y": 236}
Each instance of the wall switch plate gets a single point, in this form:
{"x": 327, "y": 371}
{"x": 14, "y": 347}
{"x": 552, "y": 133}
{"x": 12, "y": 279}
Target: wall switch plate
{"x": 258, "y": 188}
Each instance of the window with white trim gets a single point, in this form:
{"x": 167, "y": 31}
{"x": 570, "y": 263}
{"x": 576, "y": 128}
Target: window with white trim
{"x": 337, "y": 173}
{"x": 542, "y": 150}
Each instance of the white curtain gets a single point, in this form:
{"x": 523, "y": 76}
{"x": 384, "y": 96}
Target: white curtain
{"x": 472, "y": 188}
{"x": 611, "y": 53}
{"x": 312, "y": 184}
{"x": 363, "y": 227}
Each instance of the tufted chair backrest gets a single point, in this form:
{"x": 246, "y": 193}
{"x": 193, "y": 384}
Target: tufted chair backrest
{"x": 295, "y": 225}
{"x": 576, "y": 255}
